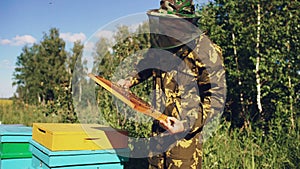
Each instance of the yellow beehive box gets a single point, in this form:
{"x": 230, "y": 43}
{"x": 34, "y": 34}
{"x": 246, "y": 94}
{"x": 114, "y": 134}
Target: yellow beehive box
{"x": 61, "y": 136}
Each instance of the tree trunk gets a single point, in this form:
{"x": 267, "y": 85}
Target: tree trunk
{"x": 258, "y": 84}
{"x": 238, "y": 72}
{"x": 291, "y": 99}
{"x": 239, "y": 78}
{"x": 290, "y": 85}
{"x": 80, "y": 91}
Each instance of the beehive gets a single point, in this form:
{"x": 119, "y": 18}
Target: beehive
{"x": 59, "y": 136}
{"x": 43, "y": 158}
{"x": 14, "y": 147}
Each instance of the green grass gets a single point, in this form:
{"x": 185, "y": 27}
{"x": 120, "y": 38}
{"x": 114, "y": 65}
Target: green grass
{"x": 228, "y": 148}
{"x": 17, "y": 113}
{"x": 251, "y": 149}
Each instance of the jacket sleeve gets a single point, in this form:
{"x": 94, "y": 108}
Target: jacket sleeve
{"x": 144, "y": 71}
{"x": 208, "y": 83}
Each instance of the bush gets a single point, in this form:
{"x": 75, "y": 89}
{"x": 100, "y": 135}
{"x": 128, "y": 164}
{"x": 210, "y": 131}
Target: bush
{"x": 19, "y": 113}
{"x": 251, "y": 148}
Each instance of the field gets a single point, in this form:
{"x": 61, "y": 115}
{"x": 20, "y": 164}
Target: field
{"x": 18, "y": 113}
{"x": 227, "y": 148}
{"x": 4, "y": 102}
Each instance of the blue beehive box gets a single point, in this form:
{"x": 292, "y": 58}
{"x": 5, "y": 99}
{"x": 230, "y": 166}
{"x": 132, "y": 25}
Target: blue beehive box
{"x": 16, "y": 163}
{"x": 44, "y": 158}
{"x": 14, "y": 147}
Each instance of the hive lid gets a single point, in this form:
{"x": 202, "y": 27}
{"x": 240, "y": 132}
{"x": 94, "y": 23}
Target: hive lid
{"x": 17, "y": 129}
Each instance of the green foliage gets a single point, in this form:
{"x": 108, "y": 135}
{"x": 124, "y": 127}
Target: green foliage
{"x": 227, "y": 148}
{"x": 116, "y": 64}
{"x": 249, "y": 148}
{"x": 233, "y": 25}
{"x": 44, "y": 73}
{"x": 19, "y": 113}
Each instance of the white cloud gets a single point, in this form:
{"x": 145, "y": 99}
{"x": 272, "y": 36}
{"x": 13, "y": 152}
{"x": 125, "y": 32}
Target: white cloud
{"x": 73, "y": 37}
{"x": 21, "y": 40}
{"x": 5, "y": 42}
{"x": 6, "y": 64}
{"x": 134, "y": 27}
{"x": 105, "y": 34}
{"x": 89, "y": 46}
{"x": 18, "y": 40}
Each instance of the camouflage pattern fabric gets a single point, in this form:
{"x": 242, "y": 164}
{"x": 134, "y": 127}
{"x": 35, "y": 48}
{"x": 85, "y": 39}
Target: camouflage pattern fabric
{"x": 191, "y": 90}
{"x": 177, "y": 6}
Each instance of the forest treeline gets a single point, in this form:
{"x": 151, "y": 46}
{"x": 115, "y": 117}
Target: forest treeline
{"x": 261, "y": 51}
{"x": 43, "y": 75}
{"x": 260, "y": 44}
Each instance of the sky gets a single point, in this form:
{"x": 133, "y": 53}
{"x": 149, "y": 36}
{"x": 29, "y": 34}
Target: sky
{"x": 24, "y": 23}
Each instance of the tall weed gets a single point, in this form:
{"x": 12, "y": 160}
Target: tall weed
{"x": 252, "y": 148}
{"x": 18, "y": 113}
{"x": 227, "y": 148}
